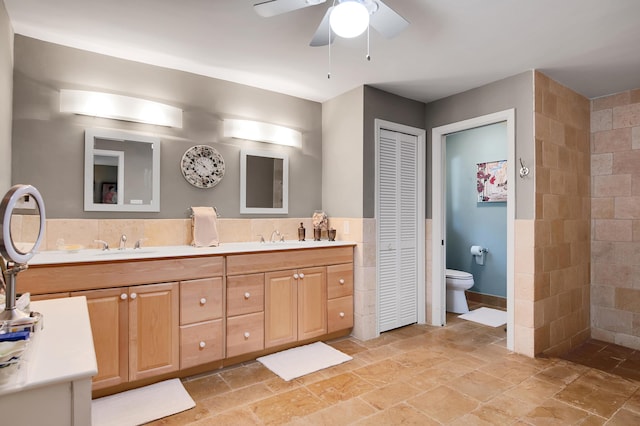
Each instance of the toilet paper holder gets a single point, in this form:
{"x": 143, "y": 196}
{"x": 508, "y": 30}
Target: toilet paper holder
{"x": 478, "y": 253}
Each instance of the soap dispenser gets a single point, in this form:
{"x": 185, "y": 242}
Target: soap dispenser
{"x": 301, "y": 232}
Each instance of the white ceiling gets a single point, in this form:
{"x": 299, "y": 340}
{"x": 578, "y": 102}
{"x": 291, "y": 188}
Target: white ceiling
{"x": 591, "y": 46}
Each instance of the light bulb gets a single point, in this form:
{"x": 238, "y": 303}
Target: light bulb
{"x": 349, "y": 19}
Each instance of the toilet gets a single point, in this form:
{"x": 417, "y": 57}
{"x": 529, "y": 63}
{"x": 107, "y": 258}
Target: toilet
{"x": 457, "y": 282}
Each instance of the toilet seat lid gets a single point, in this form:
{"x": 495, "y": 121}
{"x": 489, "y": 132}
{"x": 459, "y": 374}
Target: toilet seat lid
{"x": 461, "y": 275}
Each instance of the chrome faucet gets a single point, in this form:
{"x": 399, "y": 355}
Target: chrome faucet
{"x": 123, "y": 242}
{"x": 138, "y": 243}
{"x": 276, "y": 234}
{"x": 105, "y": 245}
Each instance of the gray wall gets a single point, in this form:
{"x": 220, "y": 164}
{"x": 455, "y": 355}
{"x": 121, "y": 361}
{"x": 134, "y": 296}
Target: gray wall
{"x": 6, "y": 95}
{"x": 469, "y": 222}
{"x": 389, "y": 107}
{"x": 48, "y": 146}
{"x": 512, "y": 92}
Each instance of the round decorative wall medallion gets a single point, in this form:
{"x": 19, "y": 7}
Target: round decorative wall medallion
{"x": 202, "y": 166}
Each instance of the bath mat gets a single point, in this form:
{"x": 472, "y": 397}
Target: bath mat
{"x": 486, "y": 316}
{"x": 303, "y": 360}
{"x": 141, "y": 405}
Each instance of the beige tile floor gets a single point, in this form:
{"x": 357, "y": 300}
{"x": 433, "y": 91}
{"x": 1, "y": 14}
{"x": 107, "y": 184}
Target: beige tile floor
{"x": 461, "y": 374}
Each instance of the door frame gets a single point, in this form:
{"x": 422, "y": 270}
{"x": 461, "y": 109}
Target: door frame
{"x": 438, "y": 243}
{"x": 420, "y": 134}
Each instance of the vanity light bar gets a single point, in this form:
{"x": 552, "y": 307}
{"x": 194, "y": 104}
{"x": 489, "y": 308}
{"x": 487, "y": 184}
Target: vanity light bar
{"x": 107, "y": 105}
{"x": 262, "y": 132}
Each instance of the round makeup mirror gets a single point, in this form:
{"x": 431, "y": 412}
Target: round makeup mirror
{"x": 23, "y": 224}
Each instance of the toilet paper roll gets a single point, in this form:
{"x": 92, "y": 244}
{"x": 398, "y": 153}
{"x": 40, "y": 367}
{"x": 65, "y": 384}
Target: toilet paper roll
{"x": 477, "y": 250}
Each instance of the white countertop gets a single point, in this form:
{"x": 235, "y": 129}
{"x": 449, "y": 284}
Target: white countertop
{"x": 96, "y": 255}
{"x": 62, "y": 351}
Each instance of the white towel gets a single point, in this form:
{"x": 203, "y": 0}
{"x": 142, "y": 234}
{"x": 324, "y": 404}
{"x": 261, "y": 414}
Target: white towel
{"x": 204, "y": 227}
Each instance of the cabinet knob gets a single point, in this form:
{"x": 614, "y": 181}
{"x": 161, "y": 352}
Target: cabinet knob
{"x": 247, "y": 295}
{"x": 202, "y": 344}
{"x": 203, "y": 300}
{"x": 246, "y": 334}
{"x": 123, "y": 296}
{"x": 296, "y": 276}
{"x": 301, "y": 276}
{"x": 341, "y": 281}
{"x": 341, "y": 314}
{"x": 133, "y": 296}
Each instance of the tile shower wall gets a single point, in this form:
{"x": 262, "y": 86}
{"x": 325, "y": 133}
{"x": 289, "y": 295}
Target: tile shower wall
{"x": 615, "y": 214}
{"x": 561, "y": 289}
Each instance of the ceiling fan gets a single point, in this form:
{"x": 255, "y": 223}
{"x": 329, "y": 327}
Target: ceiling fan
{"x": 373, "y": 12}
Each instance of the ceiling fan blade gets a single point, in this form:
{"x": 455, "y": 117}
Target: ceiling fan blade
{"x": 387, "y": 21}
{"x": 323, "y": 35}
{"x": 271, "y": 8}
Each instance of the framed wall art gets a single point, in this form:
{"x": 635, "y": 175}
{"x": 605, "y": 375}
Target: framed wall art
{"x": 492, "y": 182}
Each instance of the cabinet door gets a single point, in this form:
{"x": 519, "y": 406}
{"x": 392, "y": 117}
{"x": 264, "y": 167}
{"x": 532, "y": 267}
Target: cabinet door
{"x": 281, "y": 308}
{"x": 312, "y": 302}
{"x": 154, "y": 345}
{"x": 108, "y": 315}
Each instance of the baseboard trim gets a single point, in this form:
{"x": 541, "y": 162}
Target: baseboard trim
{"x": 487, "y": 299}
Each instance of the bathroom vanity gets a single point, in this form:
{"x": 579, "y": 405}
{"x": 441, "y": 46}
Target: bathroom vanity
{"x": 165, "y": 312}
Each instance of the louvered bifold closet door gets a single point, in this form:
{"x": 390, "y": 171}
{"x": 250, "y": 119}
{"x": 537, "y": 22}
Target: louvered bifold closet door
{"x": 398, "y": 225}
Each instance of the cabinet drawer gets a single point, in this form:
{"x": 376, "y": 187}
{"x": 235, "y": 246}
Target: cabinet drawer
{"x": 48, "y": 296}
{"x": 200, "y": 300}
{"x": 339, "y": 280}
{"x": 97, "y": 275}
{"x": 340, "y": 314}
{"x": 245, "y": 334}
{"x": 239, "y": 264}
{"x": 201, "y": 343}
{"x": 245, "y": 294}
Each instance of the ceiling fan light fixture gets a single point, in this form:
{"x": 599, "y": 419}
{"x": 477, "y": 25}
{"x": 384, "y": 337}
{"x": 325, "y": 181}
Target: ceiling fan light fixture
{"x": 349, "y": 19}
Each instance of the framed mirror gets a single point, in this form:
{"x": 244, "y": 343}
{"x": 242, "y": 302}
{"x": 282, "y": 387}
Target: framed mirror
{"x": 264, "y": 182}
{"x": 121, "y": 171}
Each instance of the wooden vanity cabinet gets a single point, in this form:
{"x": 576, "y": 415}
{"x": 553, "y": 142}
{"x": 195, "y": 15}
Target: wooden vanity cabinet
{"x": 135, "y": 332}
{"x": 155, "y": 317}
